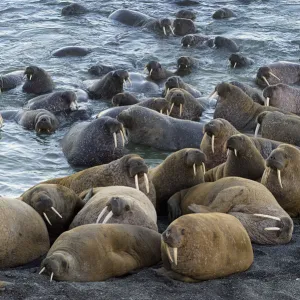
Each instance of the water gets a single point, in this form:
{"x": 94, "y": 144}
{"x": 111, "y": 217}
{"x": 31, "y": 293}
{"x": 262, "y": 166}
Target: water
{"x": 30, "y": 30}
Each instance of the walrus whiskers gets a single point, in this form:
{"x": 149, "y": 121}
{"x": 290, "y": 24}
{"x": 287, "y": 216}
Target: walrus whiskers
{"x": 256, "y": 130}
{"x": 109, "y": 215}
{"x": 136, "y": 178}
{"x": 194, "y": 168}
{"x": 123, "y": 139}
{"x": 56, "y": 212}
{"x": 104, "y": 210}
{"x": 272, "y": 74}
{"x": 115, "y": 140}
{"x": 42, "y": 271}
{"x": 272, "y": 229}
{"x": 265, "y": 80}
{"x": 279, "y": 178}
{"x": 213, "y": 143}
{"x": 51, "y": 277}
{"x": 47, "y": 219}
{"x": 146, "y": 183}
{"x": 180, "y": 109}
{"x": 267, "y": 217}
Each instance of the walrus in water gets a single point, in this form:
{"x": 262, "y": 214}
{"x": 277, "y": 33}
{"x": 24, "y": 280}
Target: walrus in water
{"x": 147, "y": 127}
{"x": 279, "y": 72}
{"x": 40, "y": 120}
{"x": 11, "y": 80}
{"x": 239, "y": 61}
{"x": 279, "y": 127}
{"x": 283, "y": 96}
{"x": 71, "y": 51}
{"x": 281, "y": 177}
{"x": 184, "y": 26}
{"x": 177, "y": 82}
{"x": 130, "y": 170}
{"x": 156, "y": 71}
{"x": 180, "y": 170}
{"x": 217, "y": 132}
{"x": 192, "y": 40}
{"x": 117, "y": 205}
{"x": 73, "y": 9}
{"x": 23, "y": 233}
{"x": 252, "y": 203}
{"x": 223, "y": 13}
{"x": 243, "y": 160}
{"x": 183, "y": 105}
{"x": 56, "y": 204}
{"x": 237, "y": 107}
{"x": 93, "y": 143}
{"x": 123, "y": 99}
{"x": 38, "y": 81}
{"x": 224, "y": 43}
{"x": 186, "y": 14}
{"x": 185, "y": 65}
{"x": 200, "y": 247}
{"x": 109, "y": 85}
{"x": 96, "y": 252}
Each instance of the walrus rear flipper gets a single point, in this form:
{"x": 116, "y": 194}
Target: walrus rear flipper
{"x": 175, "y": 276}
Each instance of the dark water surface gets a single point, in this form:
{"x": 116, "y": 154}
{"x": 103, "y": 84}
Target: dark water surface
{"x": 30, "y": 30}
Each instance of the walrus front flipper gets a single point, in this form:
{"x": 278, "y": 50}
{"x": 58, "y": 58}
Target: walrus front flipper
{"x": 174, "y": 210}
{"x": 195, "y": 208}
{"x": 175, "y": 276}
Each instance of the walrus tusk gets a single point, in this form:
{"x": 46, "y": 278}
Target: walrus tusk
{"x": 161, "y": 112}
{"x": 213, "y": 94}
{"x": 136, "y": 178}
{"x": 188, "y": 45}
{"x": 272, "y": 74}
{"x": 124, "y": 132}
{"x": 128, "y": 79}
{"x": 146, "y": 183}
{"x": 30, "y": 77}
{"x": 279, "y": 178}
{"x": 123, "y": 139}
{"x": 42, "y": 271}
{"x": 194, "y": 168}
{"x": 109, "y": 215}
{"x": 124, "y": 83}
{"x": 115, "y": 140}
{"x": 180, "y": 109}
{"x": 235, "y": 152}
{"x": 145, "y": 70}
{"x": 171, "y": 108}
{"x": 0, "y": 91}
{"x": 56, "y": 212}
{"x": 171, "y": 28}
{"x": 227, "y": 153}
{"x": 51, "y": 277}
{"x": 213, "y": 143}
{"x": 104, "y": 210}
{"x": 267, "y": 103}
{"x": 175, "y": 252}
{"x": 234, "y": 65}
{"x": 266, "y": 173}
{"x": 47, "y": 219}
{"x": 256, "y": 130}
{"x": 272, "y": 229}
{"x": 167, "y": 92}
{"x": 150, "y": 72}
{"x": 168, "y": 253}
{"x": 265, "y": 80}
{"x": 164, "y": 29}
{"x": 204, "y": 169}
{"x": 267, "y": 216}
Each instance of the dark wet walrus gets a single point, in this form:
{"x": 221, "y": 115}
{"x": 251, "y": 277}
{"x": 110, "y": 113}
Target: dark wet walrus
{"x": 221, "y": 42}
{"x": 123, "y": 99}
{"x": 186, "y": 14}
{"x": 73, "y": 9}
{"x": 11, "y": 80}
{"x": 71, "y": 51}
{"x": 223, "y": 13}
{"x": 185, "y": 65}
{"x": 240, "y": 61}
{"x": 93, "y": 143}
{"x": 148, "y": 127}
{"x": 192, "y": 40}
{"x": 38, "y": 81}
{"x": 40, "y": 120}
{"x": 252, "y": 92}
{"x": 157, "y": 72}
{"x": 97, "y": 252}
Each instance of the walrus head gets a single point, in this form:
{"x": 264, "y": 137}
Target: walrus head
{"x": 44, "y": 124}
{"x": 184, "y": 64}
{"x": 122, "y": 99}
{"x": 186, "y": 14}
{"x": 176, "y": 97}
{"x": 260, "y": 119}
{"x": 173, "y": 82}
{"x": 155, "y": 69}
{"x": 166, "y": 24}
{"x": 188, "y": 41}
{"x": 71, "y": 98}
{"x": 194, "y": 158}
{"x": 183, "y": 26}
{"x": 237, "y": 60}
{"x": 263, "y": 74}
{"x": 270, "y": 91}
{"x": 160, "y": 105}
{"x": 219, "y": 14}
{"x": 31, "y": 72}
{"x": 240, "y": 145}
{"x": 222, "y": 90}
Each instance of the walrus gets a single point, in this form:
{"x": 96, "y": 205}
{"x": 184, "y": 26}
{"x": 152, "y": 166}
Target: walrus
{"x": 123, "y": 99}
{"x": 73, "y": 9}
{"x": 220, "y": 42}
{"x": 183, "y": 105}
{"x": 279, "y": 127}
{"x": 117, "y": 205}
{"x": 183, "y": 26}
{"x": 281, "y": 177}
{"x": 192, "y": 40}
{"x": 185, "y": 65}
{"x": 243, "y": 160}
{"x": 199, "y": 247}
{"x": 186, "y": 14}
{"x": 11, "y": 80}
{"x": 64, "y": 101}
{"x": 278, "y": 72}
{"x": 150, "y": 128}
{"x": 180, "y": 170}
{"x": 71, "y": 51}
{"x": 129, "y": 170}
{"x": 93, "y": 143}
{"x": 96, "y": 252}
{"x": 283, "y": 96}
{"x": 237, "y": 107}
{"x": 157, "y": 72}
{"x": 38, "y": 81}
{"x": 217, "y": 132}
{"x": 239, "y": 61}
{"x": 23, "y": 233}
{"x": 223, "y": 13}
{"x": 109, "y": 85}
{"x": 56, "y": 204}
{"x": 177, "y": 82}
{"x": 250, "y": 202}
{"x": 40, "y": 120}
{"x": 255, "y": 94}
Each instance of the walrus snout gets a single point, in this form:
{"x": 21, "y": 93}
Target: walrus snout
{"x": 42, "y": 202}
{"x": 55, "y": 265}
{"x": 237, "y": 60}
{"x": 173, "y": 236}
{"x": 236, "y": 142}
{"x": 212, "y": 128}
{"x": 173, "y": 82}
{"x": 44, "y": 124}
{"x": 276, "y": 160}
{"x": 118, "y": 206}
{"x": 125, "y": 118}
{"x": 183, "y": 63}
{"x": 263, "y": 74}
{"x": 30, "y": 72}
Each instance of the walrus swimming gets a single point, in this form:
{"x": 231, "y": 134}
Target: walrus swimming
{"x": 96, "y": 252}
{"x": 192, "y": 40}
{"x": 185, "y": 65}
{"x": 156, "y": 71}
{"x": 224, "y": 43}
{"x": 186, "y": 14}
{"x": 191, "y": 243}
{"x": 73, "y": 9}
{"x": 239, "y": 61}
{"x": 11, "y": 80}
{"x": 23, "y": 233}
{"x": 223, "y": 13}
{"x": 123, "y": 99}
{"x": 252, "y": 203}
{"x": 93, "y": 143}
{"x": 71, "y": 51}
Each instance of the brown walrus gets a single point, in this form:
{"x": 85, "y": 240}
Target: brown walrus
{"x": 199, "y": 247}
{"x": 96, "y": 252}
{"x": 249, "y": 201}
{"x": 281, "y": 177}
{"x": 130, "y": 170}
{"x": 217, "y": 132}
{"x": 243, "y": 160}
{"x": 117, "y": 204}
{"x": 23, "y": 233}
{"x": 180, "y": 170}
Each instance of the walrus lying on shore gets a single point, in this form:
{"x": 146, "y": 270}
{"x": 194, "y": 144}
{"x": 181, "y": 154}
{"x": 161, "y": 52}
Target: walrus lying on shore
{"x": 252, "y": 203}
{"x": 199, "y": 247}
{"x": 96, "y": 252}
